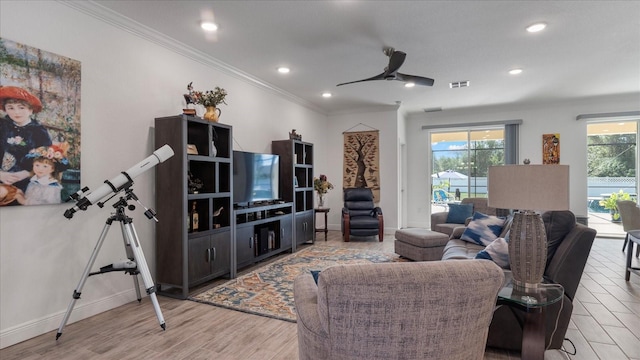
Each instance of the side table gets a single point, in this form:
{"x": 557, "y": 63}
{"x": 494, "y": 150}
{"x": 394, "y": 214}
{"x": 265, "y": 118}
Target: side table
{"x": 533, "y": 301}
{"x": 325, "y": 229}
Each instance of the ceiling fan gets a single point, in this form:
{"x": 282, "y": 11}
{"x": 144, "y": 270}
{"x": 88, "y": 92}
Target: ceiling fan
{"x": 396, "y": 58}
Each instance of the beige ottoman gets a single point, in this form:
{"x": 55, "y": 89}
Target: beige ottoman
{"x": 420, "y": 244}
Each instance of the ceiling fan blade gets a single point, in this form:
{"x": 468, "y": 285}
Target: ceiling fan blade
{"x": 377, "y": 77}
{"x": 418, "y": 80}
{"x": 395, "y": 61}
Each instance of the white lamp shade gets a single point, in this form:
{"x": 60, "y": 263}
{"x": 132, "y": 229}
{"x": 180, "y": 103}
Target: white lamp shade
{"x": 529, "y": 187}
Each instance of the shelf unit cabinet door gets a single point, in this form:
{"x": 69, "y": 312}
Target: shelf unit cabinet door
{"x": 244, "y": 245}
{"x": 199, "y": 262}
{"x": 220, "y": 253}
{"x": 309, "y": 226}
{"x": 286, "y": 232}
{"x": 304, "y": 227}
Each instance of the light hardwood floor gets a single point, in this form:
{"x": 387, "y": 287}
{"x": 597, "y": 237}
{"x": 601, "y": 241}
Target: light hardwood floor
{"x": 605, "y": 323}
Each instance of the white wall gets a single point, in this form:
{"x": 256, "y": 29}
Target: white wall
{"x": 538, "y": 119}
{"x": 126, "y": 82}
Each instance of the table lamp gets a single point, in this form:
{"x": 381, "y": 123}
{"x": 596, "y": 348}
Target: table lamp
{"x": 527, "y": 188}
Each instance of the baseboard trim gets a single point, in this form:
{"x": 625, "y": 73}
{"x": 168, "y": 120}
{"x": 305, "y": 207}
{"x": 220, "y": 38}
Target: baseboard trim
{"x": 37, "y": 327}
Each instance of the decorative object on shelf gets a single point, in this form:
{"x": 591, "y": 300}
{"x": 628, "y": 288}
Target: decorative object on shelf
{"x": 194, "y": 184}
{"x": 362, "y": 160}
{"x": 528, "y": 188}
{"x": 293, "y": 135}
{"x": 188, "y": 98}
{"x": 322, "y": 187}
{"x": 214, "y": 150}
{"x": 551, "y": 149}
{"x": 610, "y": 204}
{"x": 194, "y": 218}
{"x": 192, "y": 149}
{"x": 210, "y": 99}
{"x": 526, "y": 161}
{"x": 215, "y": 215}
{"x": 212, "y": 114}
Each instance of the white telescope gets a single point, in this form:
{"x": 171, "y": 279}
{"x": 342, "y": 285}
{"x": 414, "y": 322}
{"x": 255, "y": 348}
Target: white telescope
{"x": 84, "y": 198}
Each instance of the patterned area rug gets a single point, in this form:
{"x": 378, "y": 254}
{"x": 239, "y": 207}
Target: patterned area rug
{"x": 268, "y": 291}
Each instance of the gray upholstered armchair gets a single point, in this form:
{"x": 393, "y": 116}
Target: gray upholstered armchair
{"x": 417, "y": 310}
{"x": 360, "y": 217}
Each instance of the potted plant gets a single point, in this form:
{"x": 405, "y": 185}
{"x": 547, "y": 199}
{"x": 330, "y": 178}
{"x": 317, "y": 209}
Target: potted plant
{"x": 610, "y": 204}
{"x": 321, "y": 186}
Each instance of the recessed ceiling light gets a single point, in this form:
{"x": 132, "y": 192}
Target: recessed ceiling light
{"x": 536, "y": 27}
{"x": 410, "y": 84}
{"x": 326, "y": 94}
{"x": 283, "y": 70}
{"x": 515, "y": 71}
{"x": 209, "y": 26}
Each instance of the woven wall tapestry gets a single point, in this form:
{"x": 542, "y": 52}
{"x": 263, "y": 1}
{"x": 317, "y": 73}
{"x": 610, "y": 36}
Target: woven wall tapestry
{"x": 551, "y": 149}
{"x": 361, "y": 161}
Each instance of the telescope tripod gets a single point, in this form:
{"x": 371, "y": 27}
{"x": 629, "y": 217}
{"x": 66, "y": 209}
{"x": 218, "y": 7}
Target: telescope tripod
{"x": 136, "y": 264}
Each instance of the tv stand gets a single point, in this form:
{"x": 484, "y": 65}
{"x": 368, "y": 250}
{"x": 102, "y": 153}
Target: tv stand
{"x": 262, "y": 231}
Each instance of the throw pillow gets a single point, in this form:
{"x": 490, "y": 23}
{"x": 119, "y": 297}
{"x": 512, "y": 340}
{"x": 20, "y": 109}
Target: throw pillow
{"x": 458, "y": 213}
{"x": 483, "y": 229}
{"x": 315, "y": 274}
{"x": 497, "y": 251}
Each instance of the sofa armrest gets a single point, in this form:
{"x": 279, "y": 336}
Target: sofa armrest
{"x": 457, "y": 232}
{"x": 438, "y": 218}
{"x": 305, "y": 293}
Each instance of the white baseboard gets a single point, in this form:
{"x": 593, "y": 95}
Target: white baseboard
{"x": 81, "y": 310}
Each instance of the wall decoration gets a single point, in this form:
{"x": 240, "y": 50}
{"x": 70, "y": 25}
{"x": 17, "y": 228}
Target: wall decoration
{"x": 361, "y": 161}
{"x": 39, "y": 125}
{"x": 551, "y": 149}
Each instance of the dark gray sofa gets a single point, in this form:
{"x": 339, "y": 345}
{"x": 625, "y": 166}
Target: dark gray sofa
{"x": 568, "y": 250}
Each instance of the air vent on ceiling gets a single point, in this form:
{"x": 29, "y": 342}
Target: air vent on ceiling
{"x": 459, "y": 84}
{"x": 433, "y": 109}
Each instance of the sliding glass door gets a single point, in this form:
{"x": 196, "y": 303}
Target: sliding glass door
{"x": 612, "y": 161}
{"x": 460, "y": 160}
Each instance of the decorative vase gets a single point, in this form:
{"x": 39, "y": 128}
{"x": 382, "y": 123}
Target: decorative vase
{"x": 214, "y": 150}
{"x": 321, "y": 200}
{"x": 212, "y": 114}
{"x": 527, "y": 250}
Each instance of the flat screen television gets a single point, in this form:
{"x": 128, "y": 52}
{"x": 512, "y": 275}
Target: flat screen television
{"x": 255, "y": 177}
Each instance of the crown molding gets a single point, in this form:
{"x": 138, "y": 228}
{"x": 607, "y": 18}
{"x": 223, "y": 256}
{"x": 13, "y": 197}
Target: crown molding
{"x": 133, "y": 27}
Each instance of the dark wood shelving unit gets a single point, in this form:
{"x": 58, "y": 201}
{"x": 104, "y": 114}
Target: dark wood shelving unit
{"x": 296, "y": 184}
{"x": 186, "y": 259}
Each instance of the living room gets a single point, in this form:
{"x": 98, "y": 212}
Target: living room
{"x": 131, "y": 77}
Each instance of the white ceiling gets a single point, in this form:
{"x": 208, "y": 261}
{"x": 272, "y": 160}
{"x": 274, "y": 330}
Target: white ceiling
{"x": 589, "y": 48}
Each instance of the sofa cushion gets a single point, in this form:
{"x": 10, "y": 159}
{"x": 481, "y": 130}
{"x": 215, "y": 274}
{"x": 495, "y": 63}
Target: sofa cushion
{"x": 483, "y": 229}
{"x": 457, "y": 249}
{"x": 458, "y": 213}
{"x": 557, "y": 224}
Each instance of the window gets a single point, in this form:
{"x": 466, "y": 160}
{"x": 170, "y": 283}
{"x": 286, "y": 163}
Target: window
{"x": 461, "y": 159}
